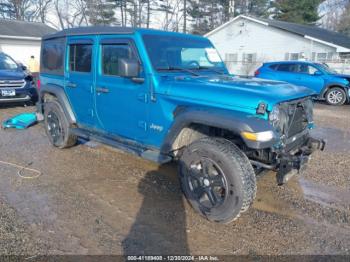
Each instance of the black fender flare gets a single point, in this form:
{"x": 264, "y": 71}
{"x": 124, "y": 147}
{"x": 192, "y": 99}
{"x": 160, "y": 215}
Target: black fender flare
{"x": 234, "y": 121}
{"x": 334, "y": 84}
{"x": 59, "y": 93}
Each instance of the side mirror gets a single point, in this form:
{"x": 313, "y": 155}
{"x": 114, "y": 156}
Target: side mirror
{"x": 129, "y": 68}
{"x": 318, "y": 73}
{"x": 23, "y": 67}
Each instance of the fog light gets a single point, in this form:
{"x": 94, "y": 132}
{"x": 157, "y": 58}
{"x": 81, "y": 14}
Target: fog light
{"x": 259, "y": 137}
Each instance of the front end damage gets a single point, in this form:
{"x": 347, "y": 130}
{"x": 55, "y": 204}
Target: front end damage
{"x": 290, "y": 155}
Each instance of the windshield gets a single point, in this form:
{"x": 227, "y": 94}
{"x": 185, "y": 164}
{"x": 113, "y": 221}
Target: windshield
{"x": 326, "y": 68}
{"x": 7, "y": 63}
{"x": 182, "y": 53}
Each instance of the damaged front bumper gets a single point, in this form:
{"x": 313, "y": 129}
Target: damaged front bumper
{"x": 290, "y": 164}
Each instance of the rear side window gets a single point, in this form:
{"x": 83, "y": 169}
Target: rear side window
{"x": 52, "y": 56}
{"x": 287, "y": 67}
{"x": 273, "y": 67}
{"x": 111, "y": 54}
{"x": 80, "y": 58}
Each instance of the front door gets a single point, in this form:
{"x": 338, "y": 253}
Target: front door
{"x": 79, "y": 80}
{"x": 307, "y": 77}
{"x": 121, "y": 103}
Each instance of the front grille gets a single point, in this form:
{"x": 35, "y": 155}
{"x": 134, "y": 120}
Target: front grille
{"x": 294, "y": 118}
{"x": 12, "y": 83}
{"x": 297, "y": 120}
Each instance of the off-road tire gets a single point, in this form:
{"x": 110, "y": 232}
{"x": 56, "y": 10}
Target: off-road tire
{"x": 331, "y": 99}
{"x": 53, "y": 109}
{"x": 238, "y": 173}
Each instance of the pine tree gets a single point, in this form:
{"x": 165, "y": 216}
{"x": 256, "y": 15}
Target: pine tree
{"x": 205, "y": 15}
{"x": 101, "y": 12}
{"x": 297, "y": 11}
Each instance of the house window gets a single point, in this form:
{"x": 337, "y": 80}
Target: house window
{"x": 321, "y": 57}
{"x": 249, "y": 58}
{"x": 294, "y": 56}
{"x": 231, "y": 57}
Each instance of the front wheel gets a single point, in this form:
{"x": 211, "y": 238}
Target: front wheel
{"x": 217, "y": 179}
{"x": 336, "y": 96}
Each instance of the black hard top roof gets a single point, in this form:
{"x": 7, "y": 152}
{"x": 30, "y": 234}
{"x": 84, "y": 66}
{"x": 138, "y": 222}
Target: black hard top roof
{"x": 91, "y": 30}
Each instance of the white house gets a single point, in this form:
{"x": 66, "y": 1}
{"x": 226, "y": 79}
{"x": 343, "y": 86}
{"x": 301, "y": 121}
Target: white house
{"x": 21, "y": 40}
{"x": 246, "y": 42}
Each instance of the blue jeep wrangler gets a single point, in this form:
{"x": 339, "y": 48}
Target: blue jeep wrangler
{"x": 327, "y": 83}
{"x": 168, "y": 96}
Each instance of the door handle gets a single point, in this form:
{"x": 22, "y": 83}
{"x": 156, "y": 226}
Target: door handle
{"x": 102, "y": 90}
{"x": 71, "y": 85}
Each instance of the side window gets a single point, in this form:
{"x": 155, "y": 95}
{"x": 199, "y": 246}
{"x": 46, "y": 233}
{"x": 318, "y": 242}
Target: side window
{"x": 80, "y": 57}
{"x": 285, "y": 68}
{"x": 111, "y": 53}
{"x": 312, "y": 70}
{"x": 274, "y": 67}
{"x": 52, "y": 56}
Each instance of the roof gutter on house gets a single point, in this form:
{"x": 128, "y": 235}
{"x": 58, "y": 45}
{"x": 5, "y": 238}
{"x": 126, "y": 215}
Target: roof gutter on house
{"x": 340, "y": 49}
{"x": 21, "y": 37}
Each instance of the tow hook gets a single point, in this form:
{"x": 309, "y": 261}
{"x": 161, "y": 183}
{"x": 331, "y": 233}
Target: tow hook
{"x": 290, "y": 165}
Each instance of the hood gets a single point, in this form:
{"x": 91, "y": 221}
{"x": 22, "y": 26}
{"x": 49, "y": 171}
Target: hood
{"x": 235, "y": 91}
{"x": 347, "y": 77}
{"x": 12, "y": 74}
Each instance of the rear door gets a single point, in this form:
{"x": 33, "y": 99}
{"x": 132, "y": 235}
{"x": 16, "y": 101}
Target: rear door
{"x": 121, "y": 103}
{"x": 79, "y": 79}
{"x": 287, "y": 72}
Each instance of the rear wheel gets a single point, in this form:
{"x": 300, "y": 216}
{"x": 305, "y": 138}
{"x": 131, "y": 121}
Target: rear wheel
{"x": 217, "y": 179}
{"x": 336, "y": 96}
{"x": 57, "y": 125}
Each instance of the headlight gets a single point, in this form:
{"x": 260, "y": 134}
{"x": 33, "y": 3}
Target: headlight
{"x": 274, "y": 116}
{"x": 258, "y": 137}
{"x": 278, "y": 118}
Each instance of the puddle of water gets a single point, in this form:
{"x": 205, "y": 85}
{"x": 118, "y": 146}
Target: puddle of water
{"x": 267, "y": 199}
{"x": 336, "y": 139}
{"x": 324, "y": 195}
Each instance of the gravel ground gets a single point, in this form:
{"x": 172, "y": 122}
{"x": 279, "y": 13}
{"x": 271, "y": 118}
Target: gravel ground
{"x": 92, "y": 199}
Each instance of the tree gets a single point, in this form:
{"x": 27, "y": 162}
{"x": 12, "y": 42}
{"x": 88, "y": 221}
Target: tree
{"x": 101, "y": 12}
{"x": 258, "y": 8}
{"x": 343, "y": 25}
{"x": 297, "y": 11}
{"x": 205, "y": 15}
{"x": 17, "y": 9}
{"x": 41, "y": 9}
{"x": 71, "y": 13}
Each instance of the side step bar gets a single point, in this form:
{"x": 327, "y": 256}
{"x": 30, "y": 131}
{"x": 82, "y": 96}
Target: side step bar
{"x": 132, "y": 148}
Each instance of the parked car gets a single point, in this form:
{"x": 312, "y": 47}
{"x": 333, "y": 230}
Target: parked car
{"x": 16, "y": 84}
{"x": 168, "y": 96}
{"x": 329, "y": 85}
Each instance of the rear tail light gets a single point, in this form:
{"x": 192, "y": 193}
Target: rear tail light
{"x": 38, "y": 84}
{"x": 257, "y": 72}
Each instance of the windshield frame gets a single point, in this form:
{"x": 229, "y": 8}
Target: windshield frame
{"x": 217, "y": 68}
{"x": 326, "y": 69}
{"x": 7, "y": 57}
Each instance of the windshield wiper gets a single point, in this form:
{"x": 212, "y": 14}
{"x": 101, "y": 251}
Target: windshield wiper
{"x": 172, "y": 68}
{"x": 211, "y": 69}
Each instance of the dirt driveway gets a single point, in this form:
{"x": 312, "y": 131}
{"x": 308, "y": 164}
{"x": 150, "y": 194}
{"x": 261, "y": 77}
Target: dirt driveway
{"x": 92, "y": 199}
